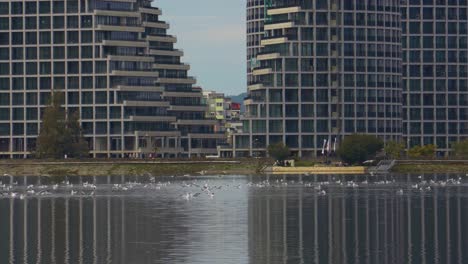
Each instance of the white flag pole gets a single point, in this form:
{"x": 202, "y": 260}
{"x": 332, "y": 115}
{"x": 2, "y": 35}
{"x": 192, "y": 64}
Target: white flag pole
{"x": 323, "y": 147}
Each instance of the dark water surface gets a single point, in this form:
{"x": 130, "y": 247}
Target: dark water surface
{"x": 389, "y": 219}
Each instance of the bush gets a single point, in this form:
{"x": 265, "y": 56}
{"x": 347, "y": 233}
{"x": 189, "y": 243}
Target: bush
{"x": 394, "y": 149}
{"x": 356, "y": 149}
{"x": 278, "y": 151}
{"x": 426, "y": 151}
{"x": 304, "y": 163}
{"x": 460, "y": 149}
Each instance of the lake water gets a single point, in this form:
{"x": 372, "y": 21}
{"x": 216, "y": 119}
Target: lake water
{"x": 389, "y": 219}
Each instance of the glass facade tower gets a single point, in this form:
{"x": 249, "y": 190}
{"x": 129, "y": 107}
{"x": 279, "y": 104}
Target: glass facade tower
{"x": 325, "y": 69}
{"x": 118, "y": 69}
{"x": 435, "y": 63}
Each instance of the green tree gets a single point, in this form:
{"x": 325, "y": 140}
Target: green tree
{"x": 460, "y": 149}
{"x": 356, "y": 149}
{"x": 426, "y": 151}
{"x": 279, "y": 151}
{"x": 52, "y": 138}
{"x": 60, "y": 135}
{"x": 394, "y": 149}
{"x": 77, "y": 146}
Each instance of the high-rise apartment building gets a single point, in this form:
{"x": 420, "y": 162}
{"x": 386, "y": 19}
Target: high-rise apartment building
{"x": 435, "y": 63}
{"x": 325, "y": 69}
{"x": 117, "y": 67}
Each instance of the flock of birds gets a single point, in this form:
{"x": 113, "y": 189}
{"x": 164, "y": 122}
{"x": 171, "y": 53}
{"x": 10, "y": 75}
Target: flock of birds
{"x": 188, "y": 189}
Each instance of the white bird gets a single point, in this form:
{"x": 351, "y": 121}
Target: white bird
{"x": 187, "y": 196}
{"x": 22, "y": 196}
{"x": 322, "y": 192}
{"x": 73, "y": 192}
{"x": 400, "y": 192}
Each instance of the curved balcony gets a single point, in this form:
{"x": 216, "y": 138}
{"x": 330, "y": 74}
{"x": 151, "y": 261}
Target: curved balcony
{"x": 279, "y": 25}
{"x": 262, "y": 71}
{"x": 279, "y": 10}
{"x": 273, "y": 41}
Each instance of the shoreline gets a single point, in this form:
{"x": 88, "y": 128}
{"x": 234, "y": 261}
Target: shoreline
{"x": 203, "y": 167}
{"x": 128, "y": 167}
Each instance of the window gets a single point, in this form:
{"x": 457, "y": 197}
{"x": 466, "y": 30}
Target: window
{"x": 4, "y": 8}
{"x": 73, "y": 52}
{"x": 45, "y": 83}
{"x": 72, "y": 6}
{"x": 4, "y": 68}
{"x": 44, "y": 7}
{"x": 17, "y": 69}
{"x": 59, "y": 52}
{"x": 44, "y": 37}
{"x": 72, "y": 22}
{"x": 44, "y": 53}
{"x": 86, "y": 36}
{"x": 31, "y": 8}
{"x": 31, "y": 68}
{"x": 59, "y": 6}
{"x": 86, "y": 52}
{"x": 4, "y": 23}
{"x": 73, "y": 67}
{"x": 86, "y": 21}
{"x": 31, "y": 23}
{"x": 16, "y": 23}
{"x": 16, "y": 8}
{"x": 44, "y": 22}
{"x": 31, "y": 53}
{"x": 59, "y": 67}
{"x": 86, "y": 67}
{"x": 59, "y": 22}
{"x": 44, "y": 68}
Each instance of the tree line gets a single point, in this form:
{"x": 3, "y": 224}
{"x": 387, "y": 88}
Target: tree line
{"x": 355, "y": 149}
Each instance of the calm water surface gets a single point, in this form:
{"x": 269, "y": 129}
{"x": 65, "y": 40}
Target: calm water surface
{"x": 389, "y": 219}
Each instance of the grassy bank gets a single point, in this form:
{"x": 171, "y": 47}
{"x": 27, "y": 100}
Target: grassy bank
{"x": 413, "y": 166}
{"x": 431, "y": 168}
{"x": 27, "y": 168}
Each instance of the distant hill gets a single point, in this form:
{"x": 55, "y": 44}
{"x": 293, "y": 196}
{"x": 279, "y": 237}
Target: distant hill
{"x": 239, "y": 99}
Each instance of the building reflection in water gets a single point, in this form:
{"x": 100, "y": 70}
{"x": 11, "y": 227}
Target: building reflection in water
{"x": 359, "y": 225}
{"x": 285, "y": 224}
{"x": 94, "y": 229}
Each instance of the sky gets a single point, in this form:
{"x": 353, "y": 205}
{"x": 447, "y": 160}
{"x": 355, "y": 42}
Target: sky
{"x": 212, "y": 35}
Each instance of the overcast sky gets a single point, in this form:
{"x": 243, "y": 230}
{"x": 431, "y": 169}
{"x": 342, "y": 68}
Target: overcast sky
{"x": 212, "y": 35}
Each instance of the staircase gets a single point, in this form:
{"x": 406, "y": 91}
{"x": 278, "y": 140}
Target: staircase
{"x": 384, "y": 166}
